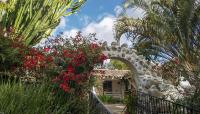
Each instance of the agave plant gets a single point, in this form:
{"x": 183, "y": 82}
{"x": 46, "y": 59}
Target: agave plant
{"x": 35, "y": 19}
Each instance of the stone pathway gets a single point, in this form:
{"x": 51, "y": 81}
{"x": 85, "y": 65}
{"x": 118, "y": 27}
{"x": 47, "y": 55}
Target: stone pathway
{"x": 116, "y": 108}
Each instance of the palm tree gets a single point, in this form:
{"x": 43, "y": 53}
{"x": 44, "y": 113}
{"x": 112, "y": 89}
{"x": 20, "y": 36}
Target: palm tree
{"x": 169, "y": 29}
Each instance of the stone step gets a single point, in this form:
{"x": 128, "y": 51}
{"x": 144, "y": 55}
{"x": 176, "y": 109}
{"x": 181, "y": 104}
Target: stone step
{"x": 116, "y": 108}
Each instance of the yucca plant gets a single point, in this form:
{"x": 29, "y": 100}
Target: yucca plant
{"x": 35, "y": 19}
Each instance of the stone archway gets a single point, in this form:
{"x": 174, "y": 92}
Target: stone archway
{"x": 146, "y": 79}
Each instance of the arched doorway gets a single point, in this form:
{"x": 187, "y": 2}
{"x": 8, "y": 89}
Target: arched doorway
{"x": 138, "y": 65}
{"x": 145, "y": 78}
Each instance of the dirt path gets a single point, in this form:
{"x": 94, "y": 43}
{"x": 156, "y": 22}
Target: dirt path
{"x": 116, "y": 108}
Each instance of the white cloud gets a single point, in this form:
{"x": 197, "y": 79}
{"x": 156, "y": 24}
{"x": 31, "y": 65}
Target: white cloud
{"x": 71, "y": 33}
{"x": 103, "y": 15}
{"x": 103, "y": 29}
{"x": 124, "y": 40}
{"x": 118, "y": 10}
{"x": 130, "y": 12}
{"x": 85, "y": 19}
{"x": 104, "y": 26}
{"x": 135, "y": 12}
{"x": 63, "y": 23}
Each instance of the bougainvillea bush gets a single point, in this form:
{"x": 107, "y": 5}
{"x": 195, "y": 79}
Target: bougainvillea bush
{"x": 68, "y": 62}
{"x": 76, "y": 58}
{"x": 64, "y": 66}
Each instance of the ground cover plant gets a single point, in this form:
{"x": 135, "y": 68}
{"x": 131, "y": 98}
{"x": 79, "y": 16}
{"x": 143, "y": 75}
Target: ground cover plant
{"x": 110, "y": 99}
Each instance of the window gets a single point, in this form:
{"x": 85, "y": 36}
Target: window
{"x": 107, "y": 86}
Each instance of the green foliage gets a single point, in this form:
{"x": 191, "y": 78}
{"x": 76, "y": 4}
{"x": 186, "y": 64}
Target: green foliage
{"x": 9, "y": 55}
{"x": 109, "y": 99}
{"x": 35, "y": 19}
{"x": 119, "y": 65}
{"x": 130, "y": 101}
{"x": 191, "y": 101}
{"x": 169, "y": 31}
{"x": 37, "y": 93}
{"x": 19, "y": 98}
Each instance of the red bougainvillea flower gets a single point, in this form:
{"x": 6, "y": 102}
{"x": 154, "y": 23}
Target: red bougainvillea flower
{"x": 76, "y": 63}
{"x": 29, "y": 62}
{"x": 67, "y": 54}
{"x": 36, "y": 59}
{"x": 40, "y": 57}
{"x": 102, "y": 57}
{"x": 79, "y": 59}
{"x": 65, "y": 87}
{"x": 49, "y": 59}
{"x": 73, "y": 77}
{"x": 70, "y": 69}
{"x": 34, "y": 51}
{"x": 94, "y": 45}
{"x": 66, "y": 77}
{"x": 47, "y": 49}
{"x": 55, "y": 53}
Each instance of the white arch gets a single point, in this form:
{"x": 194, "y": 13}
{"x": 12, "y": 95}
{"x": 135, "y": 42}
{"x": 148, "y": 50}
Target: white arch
{"x": 146, "y": 79}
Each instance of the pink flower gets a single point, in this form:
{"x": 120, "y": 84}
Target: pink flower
{"x": 47, "y": 49}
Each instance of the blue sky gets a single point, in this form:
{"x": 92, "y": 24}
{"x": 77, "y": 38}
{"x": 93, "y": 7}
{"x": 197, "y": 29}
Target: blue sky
{"x": 96, "y": 16}
{"x": 93, "y": 10}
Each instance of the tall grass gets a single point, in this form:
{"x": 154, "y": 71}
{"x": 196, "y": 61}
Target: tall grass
{"x": 19, "y": 98}
{"x": 16, "y": 98}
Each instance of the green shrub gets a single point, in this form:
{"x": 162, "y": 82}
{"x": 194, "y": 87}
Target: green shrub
{"x": 19, "y": 98}
{"x": 191, "y": 101}
{"x": 9, "y": 55}
{"x": 110, "y": 99}
{"x": 130, "y": 101}
{"x": 16, "y": 98}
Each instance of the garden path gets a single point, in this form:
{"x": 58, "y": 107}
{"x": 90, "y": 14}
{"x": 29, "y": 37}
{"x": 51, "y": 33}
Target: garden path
{"x": 116, "y": 108}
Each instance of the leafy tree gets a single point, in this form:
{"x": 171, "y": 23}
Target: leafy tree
{"x": 119, "y": 65}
